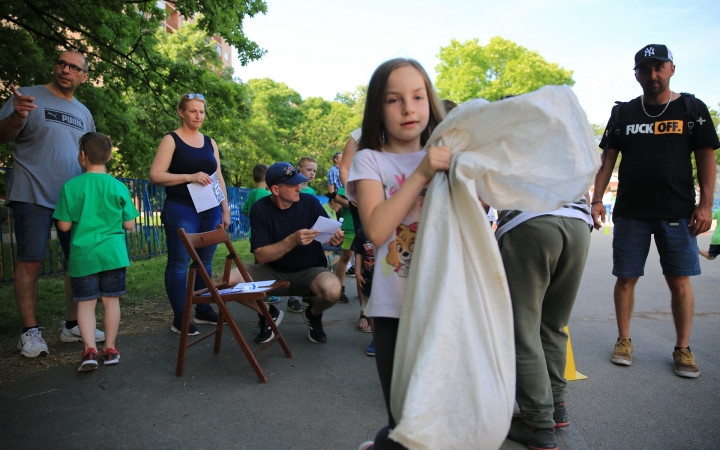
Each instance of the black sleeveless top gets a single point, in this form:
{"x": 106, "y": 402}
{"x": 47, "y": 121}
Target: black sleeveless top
{"x": 189, "y": 160}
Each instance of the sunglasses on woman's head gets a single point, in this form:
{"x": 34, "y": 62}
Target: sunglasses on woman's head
{"x": 192, "y": 96}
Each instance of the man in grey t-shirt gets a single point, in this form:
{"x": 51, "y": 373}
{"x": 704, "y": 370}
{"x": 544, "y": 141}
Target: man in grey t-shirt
{"x": 45, "y": 124}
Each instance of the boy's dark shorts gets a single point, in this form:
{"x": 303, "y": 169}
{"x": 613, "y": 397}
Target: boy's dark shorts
{"x": 109, "y": 283}
{"x": 714, "y": 250}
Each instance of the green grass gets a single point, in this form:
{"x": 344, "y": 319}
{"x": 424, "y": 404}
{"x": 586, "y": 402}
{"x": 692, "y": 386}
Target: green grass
{"x": 145, "y": 281}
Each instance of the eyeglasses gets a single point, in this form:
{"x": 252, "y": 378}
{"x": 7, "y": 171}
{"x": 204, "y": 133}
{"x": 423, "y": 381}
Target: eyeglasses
{"x": 73, "y": 68}
{"x": 192, "y": 96}
{"x": 290, "y": 172}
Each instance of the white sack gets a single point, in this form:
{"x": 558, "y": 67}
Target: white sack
{"x": 453, "y": 382}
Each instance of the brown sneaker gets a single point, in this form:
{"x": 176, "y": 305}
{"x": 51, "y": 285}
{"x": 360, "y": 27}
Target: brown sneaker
{"x": 685, "y": 365}
{"x": 622, "y": 355}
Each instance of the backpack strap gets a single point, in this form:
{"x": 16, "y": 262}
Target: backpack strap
{"x": 691, "y": 110}
{"x": 614, "y": 124}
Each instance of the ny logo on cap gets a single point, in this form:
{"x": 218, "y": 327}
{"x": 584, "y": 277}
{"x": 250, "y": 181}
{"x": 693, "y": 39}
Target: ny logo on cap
{"x": 650, "y": 51}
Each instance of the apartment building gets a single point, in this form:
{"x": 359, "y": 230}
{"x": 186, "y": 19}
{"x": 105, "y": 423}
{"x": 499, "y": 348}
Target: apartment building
{"x": 174, "y": 21}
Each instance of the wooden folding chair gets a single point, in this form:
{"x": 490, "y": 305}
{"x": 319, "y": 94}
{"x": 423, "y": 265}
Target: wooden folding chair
{"x": 211, "y": 294}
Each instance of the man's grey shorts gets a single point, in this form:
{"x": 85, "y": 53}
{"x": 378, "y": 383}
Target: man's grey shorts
{"x": 299, "y": 281}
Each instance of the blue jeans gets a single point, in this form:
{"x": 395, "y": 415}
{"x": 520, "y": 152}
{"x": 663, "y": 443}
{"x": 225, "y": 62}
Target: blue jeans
{"x": 175, "y": 216}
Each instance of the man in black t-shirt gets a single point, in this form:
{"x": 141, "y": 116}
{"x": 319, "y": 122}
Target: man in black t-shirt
{"x": 285, "y": 249}
{"x": 657, "y": 134}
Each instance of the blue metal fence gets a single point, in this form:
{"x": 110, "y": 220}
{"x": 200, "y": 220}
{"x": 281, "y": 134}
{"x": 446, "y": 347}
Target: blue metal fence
{"x": 145, "y": 240}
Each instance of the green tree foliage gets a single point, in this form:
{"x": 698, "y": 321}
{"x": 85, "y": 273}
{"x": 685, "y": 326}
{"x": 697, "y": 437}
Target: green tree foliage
{"x": 284, "y": 127}
{"x": 137, "y": 71}
{"x": 325, "y": 130}
{"x": 355, "y": 99}
{"x": 469, "y": 70}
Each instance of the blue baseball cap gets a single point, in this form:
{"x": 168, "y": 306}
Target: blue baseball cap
{"x": 283, "y": 173}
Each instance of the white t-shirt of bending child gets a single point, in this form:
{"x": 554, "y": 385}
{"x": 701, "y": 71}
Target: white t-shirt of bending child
{"x": 393, "y": 257}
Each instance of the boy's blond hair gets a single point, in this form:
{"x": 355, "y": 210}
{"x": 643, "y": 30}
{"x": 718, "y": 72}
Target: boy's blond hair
{"x": 306, "y": 159}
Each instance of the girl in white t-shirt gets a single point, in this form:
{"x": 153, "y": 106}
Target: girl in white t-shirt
{"x": 388, "y": 178}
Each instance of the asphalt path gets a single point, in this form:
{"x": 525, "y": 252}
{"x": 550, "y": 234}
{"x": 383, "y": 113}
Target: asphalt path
{"x": 328, "y": 397}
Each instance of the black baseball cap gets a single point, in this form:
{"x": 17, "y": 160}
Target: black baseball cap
{"x": 283, "y": 173}
{"x": 653, "y": 51}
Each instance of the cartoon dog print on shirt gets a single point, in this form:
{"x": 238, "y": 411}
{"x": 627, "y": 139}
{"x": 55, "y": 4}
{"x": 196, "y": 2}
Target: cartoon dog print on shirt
{"x": 401, "y": 249}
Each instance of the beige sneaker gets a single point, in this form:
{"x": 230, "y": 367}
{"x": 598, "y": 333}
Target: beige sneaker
{"x": 622, "y": 355}
{"x": 685, "y": 365}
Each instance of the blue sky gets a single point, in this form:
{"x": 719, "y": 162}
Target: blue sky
{"x": 322, "y": 47}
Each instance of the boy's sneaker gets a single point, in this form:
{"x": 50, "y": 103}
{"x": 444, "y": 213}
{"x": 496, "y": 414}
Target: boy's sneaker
{"x": 622, "y": 355}
{"x": 294, "y": 306}
{"x": 177, "y": 327}
{"x": 371, "y": 349}
{"x": 111, "y": 356}
{"x": 560, "y": 416}
{"x": 206, "y": 317}
{"x": 32, "y": 344}
{"x": 271, "y": 300}
{"x": 533, "y": 438}
{"x": 685, "y": 365}
{"x": 343, "y": 298}
{"x": 266, "y": 333}
{"x": 73, "y": 334}
{"x": 88, "y": 360}
{"x": 350, "y": 272}
{"x": 315, "y": 327}
{"x": 307, "y": 301}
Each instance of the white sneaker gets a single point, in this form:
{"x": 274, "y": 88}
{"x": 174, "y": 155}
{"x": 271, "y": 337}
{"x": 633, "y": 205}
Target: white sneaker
{"x": 73, "y": 334}
{"x": 32, "y": 344}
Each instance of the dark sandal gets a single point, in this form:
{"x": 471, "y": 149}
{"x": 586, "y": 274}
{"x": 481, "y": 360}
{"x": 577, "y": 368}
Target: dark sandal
{"x": 369, "y": 330}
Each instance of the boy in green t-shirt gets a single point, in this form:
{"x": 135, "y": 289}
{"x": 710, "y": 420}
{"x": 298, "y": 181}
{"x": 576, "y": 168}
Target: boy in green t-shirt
{"x": 308, "y": 167}
{"x": 714, "y": 249}
{"x": 97, "y": 208}
{"x": 260, "y": 190}
{"x": 349, "y": 229}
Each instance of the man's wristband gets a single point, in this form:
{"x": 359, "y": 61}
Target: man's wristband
{"x": 594, "y": 203}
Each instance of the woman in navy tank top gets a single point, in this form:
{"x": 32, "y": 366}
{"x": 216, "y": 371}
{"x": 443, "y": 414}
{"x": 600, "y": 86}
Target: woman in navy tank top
{"x": 187, "y": 156}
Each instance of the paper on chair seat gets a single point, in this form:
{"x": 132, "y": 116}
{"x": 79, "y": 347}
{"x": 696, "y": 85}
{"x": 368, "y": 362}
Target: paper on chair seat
{"x": 253, "y": 286}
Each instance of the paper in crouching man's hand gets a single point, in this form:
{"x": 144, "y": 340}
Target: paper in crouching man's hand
{"x": 326, "y": 229}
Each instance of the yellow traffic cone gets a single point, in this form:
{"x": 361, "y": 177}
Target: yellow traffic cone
{"x": 571, "y": 374}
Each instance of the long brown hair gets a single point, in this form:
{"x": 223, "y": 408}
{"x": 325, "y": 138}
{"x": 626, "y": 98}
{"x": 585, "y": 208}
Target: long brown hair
{"x": 372, "y": 126}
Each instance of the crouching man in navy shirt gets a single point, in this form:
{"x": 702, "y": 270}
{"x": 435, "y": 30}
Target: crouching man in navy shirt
{"x": 285, "y": 249}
